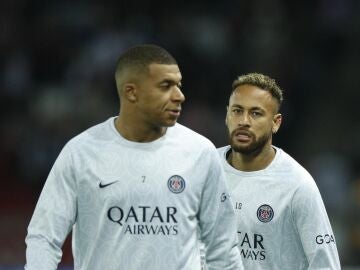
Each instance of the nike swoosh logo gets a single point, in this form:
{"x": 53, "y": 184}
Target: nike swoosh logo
{"x": 101, "y": 185}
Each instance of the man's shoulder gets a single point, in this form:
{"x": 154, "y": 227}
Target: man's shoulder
{"x": 99, "y": 132}
{"x": 190, "y": 136}
{"x": 295, "y": 172}
{"x": 286, "y": 160}
{"x": 223, "y": 149}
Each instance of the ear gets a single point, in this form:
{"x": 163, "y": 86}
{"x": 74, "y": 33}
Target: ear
{"x": 130, "y": 91}
{"x": 276, "y": 122}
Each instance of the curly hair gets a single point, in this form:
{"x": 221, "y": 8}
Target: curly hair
{"x": 263, "y": 82}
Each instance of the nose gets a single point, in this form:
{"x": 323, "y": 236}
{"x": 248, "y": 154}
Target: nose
{"x": 177, "y": 95}
{"x": 244, "y": 119}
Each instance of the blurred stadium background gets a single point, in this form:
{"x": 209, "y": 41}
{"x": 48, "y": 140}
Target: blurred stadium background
{"x": 56, "y": 79}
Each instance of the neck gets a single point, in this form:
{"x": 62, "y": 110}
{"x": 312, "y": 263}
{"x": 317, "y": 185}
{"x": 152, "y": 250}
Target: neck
{"x": 132, "y": 131}
{"x": 250, "y": 162}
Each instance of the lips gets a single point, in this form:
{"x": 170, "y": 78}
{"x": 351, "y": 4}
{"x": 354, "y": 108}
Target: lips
{"x": 174, "y": 112}
{"x": 242, "y": 135}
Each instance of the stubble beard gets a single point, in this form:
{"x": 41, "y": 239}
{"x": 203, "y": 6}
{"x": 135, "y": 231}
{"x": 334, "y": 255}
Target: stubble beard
{"x": 252, "y": 149}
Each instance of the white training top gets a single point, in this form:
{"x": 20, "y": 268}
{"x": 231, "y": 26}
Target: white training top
{"x": 134, "y": 205}
{"x": 282, "y": 222}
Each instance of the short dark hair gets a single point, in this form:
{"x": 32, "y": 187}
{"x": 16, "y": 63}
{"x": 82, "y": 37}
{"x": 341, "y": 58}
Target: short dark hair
{"x": 263, "y": 82}
{"x": 140, "y": 57}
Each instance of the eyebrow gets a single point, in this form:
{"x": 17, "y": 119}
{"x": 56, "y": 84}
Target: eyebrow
{"x": 252, "y": 108}
{"x": 170, "y": 81}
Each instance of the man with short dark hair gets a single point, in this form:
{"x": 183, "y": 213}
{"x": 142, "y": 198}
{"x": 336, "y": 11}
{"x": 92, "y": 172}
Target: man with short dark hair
{"x": 138, "y": 189}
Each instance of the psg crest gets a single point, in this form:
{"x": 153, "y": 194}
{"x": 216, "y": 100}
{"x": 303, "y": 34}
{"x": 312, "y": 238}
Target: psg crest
{"x": 265, "y": 213}
{"x": 176, "y": 184}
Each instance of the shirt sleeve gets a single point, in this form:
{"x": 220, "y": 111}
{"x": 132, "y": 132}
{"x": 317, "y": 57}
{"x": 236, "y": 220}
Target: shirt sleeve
{"x": 217, "y": 221}
{"x": 314, "y": 228}
{"x": 54, "y": 215}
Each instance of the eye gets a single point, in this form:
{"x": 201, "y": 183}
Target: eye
{"x": 168, "y": 84}
{"x": 165, "y": 86}
{"x": 236, "y": 111}
{"x": 256, "y": 113}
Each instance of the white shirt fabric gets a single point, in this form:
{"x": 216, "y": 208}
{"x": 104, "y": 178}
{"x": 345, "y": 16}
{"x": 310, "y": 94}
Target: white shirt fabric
{"x": 134, "y": 205}
{"x": 281, "y": 219}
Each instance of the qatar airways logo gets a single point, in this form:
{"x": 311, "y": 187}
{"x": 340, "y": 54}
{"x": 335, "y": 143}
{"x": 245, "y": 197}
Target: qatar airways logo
{"x": 252, "y": 246}
{"x": 145, "y": 220}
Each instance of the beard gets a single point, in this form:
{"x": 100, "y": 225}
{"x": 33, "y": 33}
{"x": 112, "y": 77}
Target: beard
{"x": 254, "y": 148}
